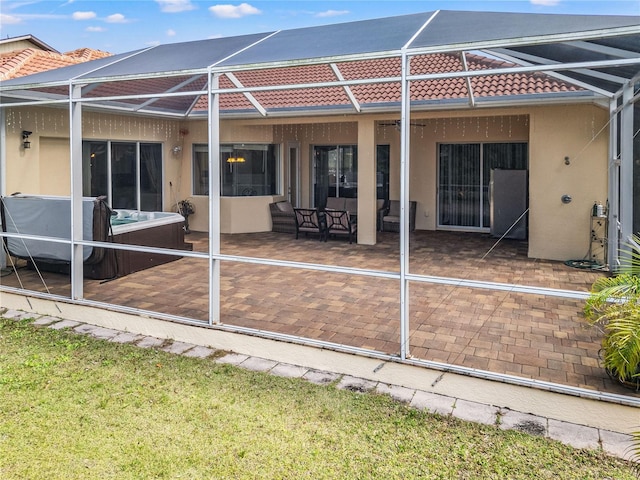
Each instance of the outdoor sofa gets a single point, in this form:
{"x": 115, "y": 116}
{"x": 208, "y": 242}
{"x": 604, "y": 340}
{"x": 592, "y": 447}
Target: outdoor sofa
{"x": 283, "y": 218}
{"x": 389, "y": 217}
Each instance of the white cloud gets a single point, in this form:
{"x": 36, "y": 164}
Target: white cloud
{"x": 175, "y": 6}
{"x": 545, "y": 3}
{"x": 332, "y": 13}
{"x": 116, "y": 18}
{"x": 95, "y": 29}
{"x": 171, "y": 33}
{"x": 234, "y": 11}
{"x": 83, "y": 15}
{"x": 9, "y": 19}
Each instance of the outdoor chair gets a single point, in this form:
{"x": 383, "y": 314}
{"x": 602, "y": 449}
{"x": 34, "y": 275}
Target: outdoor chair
{"x": 391, "y": 216}
{"x": 309, "y": 220}
{"x": 283, "y": 218}
{"x": 339, "y": 223}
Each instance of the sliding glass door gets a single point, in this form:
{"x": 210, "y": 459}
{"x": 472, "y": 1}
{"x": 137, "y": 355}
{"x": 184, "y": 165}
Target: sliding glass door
{"x": 464, "y": 175}
{"x": 335, "y": 173}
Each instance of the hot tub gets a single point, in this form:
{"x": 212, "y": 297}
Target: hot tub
{"x": 51, "y": 216}
{"x": 151, "y": 229}
{"x": 123, "y": 221}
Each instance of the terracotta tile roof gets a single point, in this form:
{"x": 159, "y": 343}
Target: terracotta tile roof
{"x": 87, "y": 54}
{"x": 20, "y": 63}
{"x": 428, "y": 90}
{"x": 30, "y": 61}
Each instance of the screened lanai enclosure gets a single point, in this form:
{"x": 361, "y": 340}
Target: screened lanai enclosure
{"x": 490, "y": 138}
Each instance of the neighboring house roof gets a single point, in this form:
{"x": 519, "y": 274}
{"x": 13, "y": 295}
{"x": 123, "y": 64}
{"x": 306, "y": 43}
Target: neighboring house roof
{"x": 22, "y": 42}
{"x": 19, "y": 63}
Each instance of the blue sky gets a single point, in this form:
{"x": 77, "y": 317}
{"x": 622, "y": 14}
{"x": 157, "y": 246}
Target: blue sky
{"x": 120, "y": 26}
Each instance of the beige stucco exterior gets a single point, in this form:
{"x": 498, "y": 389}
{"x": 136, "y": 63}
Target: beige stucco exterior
{"x": 557, "y": 231}
{"x": 562, "y": 231}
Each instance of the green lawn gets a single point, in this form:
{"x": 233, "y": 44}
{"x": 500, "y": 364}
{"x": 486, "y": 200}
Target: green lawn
{"x": 73, "y": 407}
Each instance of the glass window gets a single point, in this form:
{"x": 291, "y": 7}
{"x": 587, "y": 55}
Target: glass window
{"x": 128, "y": 173}
{"x": 382, "y": 172}
{"x": 124, "y": 173}
{"x": 95, "y": 169}
{"x": 200, "y": 170}
{"x": 245, "y": 170}
{"x": 150, "y": 177}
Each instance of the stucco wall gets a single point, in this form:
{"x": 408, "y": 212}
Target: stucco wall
{"x": 45, "y": 169}
{"x": 54, "y": 172}
{"x": 562, "y": 231}
{"x": 556, "y": 230}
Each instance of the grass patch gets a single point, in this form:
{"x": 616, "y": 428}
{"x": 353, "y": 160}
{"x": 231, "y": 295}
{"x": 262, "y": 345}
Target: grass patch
{"x": 76, "y": 407}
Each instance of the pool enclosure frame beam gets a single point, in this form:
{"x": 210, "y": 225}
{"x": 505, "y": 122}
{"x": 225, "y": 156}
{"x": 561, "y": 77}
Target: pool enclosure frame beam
{"x": 214, "y": 256}
{"x": 76, "y": 100}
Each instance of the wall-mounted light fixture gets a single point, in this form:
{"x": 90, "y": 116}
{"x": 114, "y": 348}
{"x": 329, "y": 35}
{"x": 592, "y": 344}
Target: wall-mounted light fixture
{"x": 567, "y": 161}
{"x": 176, "y": 149}
{"x": 25, "y": 139}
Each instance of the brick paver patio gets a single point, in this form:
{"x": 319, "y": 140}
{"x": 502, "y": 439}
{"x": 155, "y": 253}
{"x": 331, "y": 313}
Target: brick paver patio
{"x": 526, "y": 335}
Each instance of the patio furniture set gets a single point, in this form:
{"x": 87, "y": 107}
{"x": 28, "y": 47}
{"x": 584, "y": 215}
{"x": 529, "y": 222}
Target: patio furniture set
{"x": 338, "y": 218}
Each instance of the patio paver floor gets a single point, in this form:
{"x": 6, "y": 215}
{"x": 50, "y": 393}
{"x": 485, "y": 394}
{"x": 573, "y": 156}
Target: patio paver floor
{"x": 526, "y": 335}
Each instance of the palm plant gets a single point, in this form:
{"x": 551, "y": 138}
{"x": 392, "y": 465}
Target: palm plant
{"x": 614, "y": 306}
{"x": 635, "y": 453}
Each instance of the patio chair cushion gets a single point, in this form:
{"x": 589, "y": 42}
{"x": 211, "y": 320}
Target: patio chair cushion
{"x": 285, "y": 207}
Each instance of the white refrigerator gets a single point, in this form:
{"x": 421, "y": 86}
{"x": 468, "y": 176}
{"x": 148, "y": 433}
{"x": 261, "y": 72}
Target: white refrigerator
{"x": 508, "y": 199}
